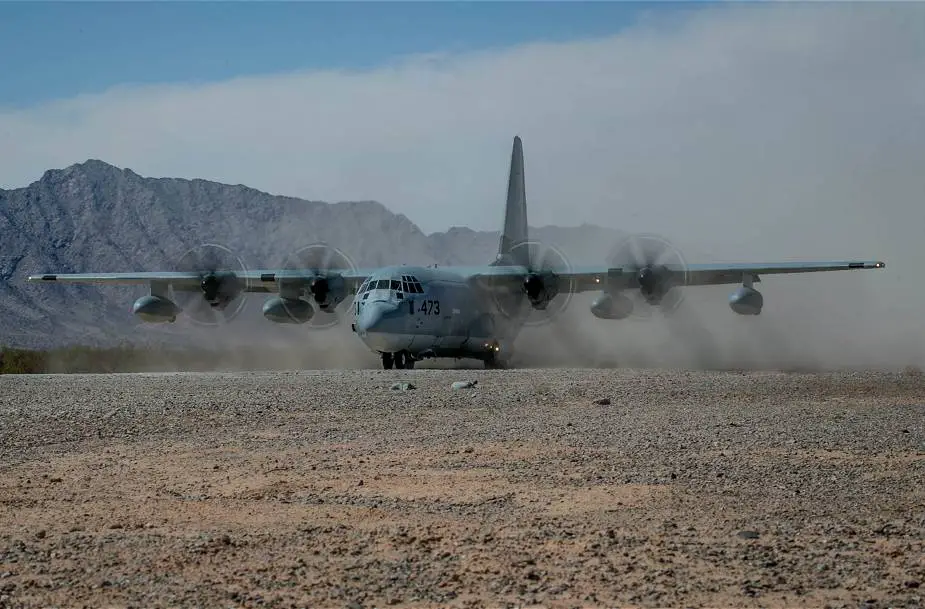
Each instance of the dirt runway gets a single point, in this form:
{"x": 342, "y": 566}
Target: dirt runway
{"x": 331, "y": 489}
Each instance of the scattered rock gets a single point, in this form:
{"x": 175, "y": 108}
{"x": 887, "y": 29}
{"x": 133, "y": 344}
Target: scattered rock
{"x": 602, "y": 402}
{"x": 464, "y": 384}
{"x": 475, "y": 500}
{"x": 404, "y": 386}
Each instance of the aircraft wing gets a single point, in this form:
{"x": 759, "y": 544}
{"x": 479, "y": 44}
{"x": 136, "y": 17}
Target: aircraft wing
{"x": 257, "y": 280}
{"x": 581, "y": 279}
{"x": 586, "y": 279}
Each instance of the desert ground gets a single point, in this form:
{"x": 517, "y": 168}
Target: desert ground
{"x": 547, "y": 488}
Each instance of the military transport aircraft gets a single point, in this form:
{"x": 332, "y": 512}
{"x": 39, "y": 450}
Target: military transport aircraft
{"x": 410, "y": 313}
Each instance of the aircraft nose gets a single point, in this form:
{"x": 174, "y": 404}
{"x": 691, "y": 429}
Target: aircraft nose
{"x": 372, "y": 315}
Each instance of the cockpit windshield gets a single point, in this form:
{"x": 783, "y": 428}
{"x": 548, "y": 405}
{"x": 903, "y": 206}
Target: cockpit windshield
{"x": 397, "y": 287}
{"x": 405, "y": 284}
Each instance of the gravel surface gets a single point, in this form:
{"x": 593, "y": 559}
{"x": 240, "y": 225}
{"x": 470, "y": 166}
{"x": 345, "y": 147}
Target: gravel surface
{"x": 553, "y": 488}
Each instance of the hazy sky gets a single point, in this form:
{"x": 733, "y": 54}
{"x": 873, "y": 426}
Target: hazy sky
{"x": 693, "y": 121}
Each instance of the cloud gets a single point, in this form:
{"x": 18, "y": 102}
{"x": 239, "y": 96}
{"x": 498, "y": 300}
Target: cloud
{"x": 741, "y": 132}
{"x": 704, "y": 118}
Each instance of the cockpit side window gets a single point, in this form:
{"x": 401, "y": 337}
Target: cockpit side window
{"x": 395, "y": 285}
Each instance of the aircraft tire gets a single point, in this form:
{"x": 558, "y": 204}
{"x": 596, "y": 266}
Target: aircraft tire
{"x": 495, "y": 363}
{"x": 387, "y": 361}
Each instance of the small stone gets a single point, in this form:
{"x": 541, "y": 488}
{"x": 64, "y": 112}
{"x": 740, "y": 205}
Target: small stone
{"x": 602, "y": 402}
{"x": 464, "y": 384}
{"x": 748, "y": 534}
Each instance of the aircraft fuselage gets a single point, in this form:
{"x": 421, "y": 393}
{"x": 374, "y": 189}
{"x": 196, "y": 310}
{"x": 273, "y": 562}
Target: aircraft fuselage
{"x": 425, "y": 312}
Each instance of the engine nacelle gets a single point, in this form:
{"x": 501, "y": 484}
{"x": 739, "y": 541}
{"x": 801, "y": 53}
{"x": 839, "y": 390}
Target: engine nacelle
{"x": 611, "y": 306}
{"x": 155, "y": 309}
{"x": 540, "y": 289}
{"x": 746, "y": 301}
{"x": 288, "y": 310}
{"x": 220, "y": 289}
{"x": 328, "y": 292}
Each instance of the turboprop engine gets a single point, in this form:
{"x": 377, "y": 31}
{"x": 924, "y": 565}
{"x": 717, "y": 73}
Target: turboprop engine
{"x": 311, "y": 281}
{"x": 611, "y": 306}
{"x": 746, "y": 301}
{"x": 540, "y": 288}
{"x": 655, "y": 271}
{"x": 545, "y": 283}
{"x": 328, "y": 292}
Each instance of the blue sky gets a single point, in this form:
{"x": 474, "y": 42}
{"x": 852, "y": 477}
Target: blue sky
{"x": 61, "y": 49}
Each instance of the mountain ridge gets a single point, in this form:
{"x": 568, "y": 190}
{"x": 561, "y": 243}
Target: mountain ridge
{"x": 95, "y": 216}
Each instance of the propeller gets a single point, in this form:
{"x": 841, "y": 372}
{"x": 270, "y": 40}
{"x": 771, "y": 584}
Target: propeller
{"x": 657, "y": 268}
{"x": 314, "y": 278}
{"x": 216, "y": 299}
{"x": 543, "y": 293}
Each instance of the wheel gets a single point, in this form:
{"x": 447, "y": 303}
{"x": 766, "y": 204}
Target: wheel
{"x": 400, "y": 360}
{"x": 492, "y": 362}
{"x": 387, "y": 361}
{"x": 409, "y": 361}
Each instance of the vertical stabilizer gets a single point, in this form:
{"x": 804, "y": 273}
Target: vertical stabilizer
{"x": 515, "y": 211}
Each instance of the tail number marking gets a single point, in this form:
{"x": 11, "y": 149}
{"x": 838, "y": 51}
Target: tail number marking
{"x": 426, "y": 307}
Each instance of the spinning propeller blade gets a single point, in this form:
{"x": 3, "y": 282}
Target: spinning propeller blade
{"x": 217, "y": 299}
{"x": 316, "y": 279}
{"x": 544, "y": 292}
{"x": 658, "y": 268}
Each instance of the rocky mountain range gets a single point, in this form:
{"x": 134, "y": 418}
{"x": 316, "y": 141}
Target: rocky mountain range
{"x": 93, "y": 216}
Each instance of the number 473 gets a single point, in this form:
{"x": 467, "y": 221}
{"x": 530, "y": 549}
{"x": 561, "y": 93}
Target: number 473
{"x": 426, "y": 307}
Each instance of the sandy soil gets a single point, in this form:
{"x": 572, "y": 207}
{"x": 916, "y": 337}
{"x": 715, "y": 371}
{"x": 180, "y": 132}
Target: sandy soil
{"x": 330, "y": 489}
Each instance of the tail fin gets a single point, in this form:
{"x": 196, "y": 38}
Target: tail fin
{"x": 515, "y": 212}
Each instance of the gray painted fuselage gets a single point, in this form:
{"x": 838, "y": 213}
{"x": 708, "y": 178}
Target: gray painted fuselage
{"x": 449, "y": 317}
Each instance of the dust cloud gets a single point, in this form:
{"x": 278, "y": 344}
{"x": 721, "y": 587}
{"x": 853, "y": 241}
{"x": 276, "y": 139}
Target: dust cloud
{"x": 859, "y": 319}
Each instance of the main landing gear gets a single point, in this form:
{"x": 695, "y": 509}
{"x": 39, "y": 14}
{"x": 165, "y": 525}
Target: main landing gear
{"x": 400, "y": 360}
{"x": 495, "y": 359}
